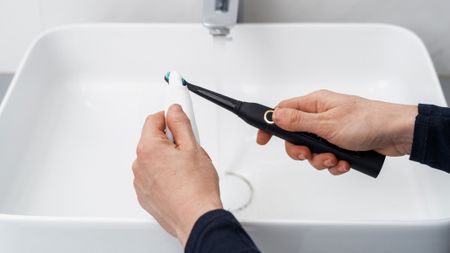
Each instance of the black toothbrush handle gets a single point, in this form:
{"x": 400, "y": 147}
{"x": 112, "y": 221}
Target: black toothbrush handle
{"x": 260, "y": 116}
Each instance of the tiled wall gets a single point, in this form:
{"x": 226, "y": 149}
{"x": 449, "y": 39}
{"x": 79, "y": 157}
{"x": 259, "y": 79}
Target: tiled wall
{"x": 21, "y": 20}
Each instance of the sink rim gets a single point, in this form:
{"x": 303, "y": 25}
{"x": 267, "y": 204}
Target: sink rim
{"x": 244, "y": 221}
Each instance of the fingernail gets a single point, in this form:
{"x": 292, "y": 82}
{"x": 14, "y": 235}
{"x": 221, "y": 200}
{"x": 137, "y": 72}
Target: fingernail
{"x": 301, "y": 157}
{"x": 175, "y": 107}
{"x": 328, "y": 163}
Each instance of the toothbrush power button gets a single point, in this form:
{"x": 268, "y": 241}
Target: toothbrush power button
{"x": 268, "y": 117}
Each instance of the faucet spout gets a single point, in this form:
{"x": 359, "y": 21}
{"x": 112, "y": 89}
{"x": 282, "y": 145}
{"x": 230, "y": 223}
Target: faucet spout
{"x": 219, "y": 16}
{"x": 222, "y": 5}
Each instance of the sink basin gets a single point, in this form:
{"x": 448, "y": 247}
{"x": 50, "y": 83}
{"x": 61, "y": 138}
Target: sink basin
{"x": 71, "y": 119}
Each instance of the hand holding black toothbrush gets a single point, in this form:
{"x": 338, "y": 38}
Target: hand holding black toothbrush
{"x": 351, "y": 122}
{"x": 260, "y": 116}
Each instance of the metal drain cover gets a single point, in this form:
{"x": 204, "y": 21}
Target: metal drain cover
{"x": 236, "y": 192}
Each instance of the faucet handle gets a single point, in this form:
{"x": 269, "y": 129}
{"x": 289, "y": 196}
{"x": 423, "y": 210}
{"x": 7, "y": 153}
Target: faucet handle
{"x": 220, "y": 15}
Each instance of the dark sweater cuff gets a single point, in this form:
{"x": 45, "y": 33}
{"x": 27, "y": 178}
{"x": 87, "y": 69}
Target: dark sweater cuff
{"x": 200, "y": 225}
{"x": 431, "y": 141}
{"x": 218, "y": 231}
{"x": 421, "y": 128}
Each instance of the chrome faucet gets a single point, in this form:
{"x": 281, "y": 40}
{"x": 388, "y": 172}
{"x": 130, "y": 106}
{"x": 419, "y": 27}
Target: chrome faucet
{"x": 220, "y": 15}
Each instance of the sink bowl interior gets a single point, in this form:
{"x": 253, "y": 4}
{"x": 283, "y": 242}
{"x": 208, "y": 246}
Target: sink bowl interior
{"x": 73, "y": 115}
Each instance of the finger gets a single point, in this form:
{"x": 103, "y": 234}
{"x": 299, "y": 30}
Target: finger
{"x": 309, "y": 103}
{"x": 297, "y": 152}
{"x": 154, "y": 128}
{"x": 324, "y": 160}
{"x": 297, "y": 121}
{"x": 306, "y": 103}
{"x": 341, "y": 168}
{"x": 262, "y": 137}
{"x": 180, "y": 126}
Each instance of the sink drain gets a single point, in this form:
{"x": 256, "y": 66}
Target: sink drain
{"x": 236, "y": 192}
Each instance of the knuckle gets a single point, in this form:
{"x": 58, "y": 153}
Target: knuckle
{"x": 321, "y": 92}
{"x": 141, "y": 149}
{"x": 295, "y": 117}
{"x": 282, "y": 102}
{"x": 135, "y": 168}
{"x": 135, "y": 184}
{"x": 148, "y": 118}
{"x": 144, "y": 150}
{"x": 324, "y": 91}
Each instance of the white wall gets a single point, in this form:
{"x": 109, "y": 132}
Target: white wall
{"x": 430, "y": 19}
{"x": 20, "y": 20}
{"x": 19, "y": 23}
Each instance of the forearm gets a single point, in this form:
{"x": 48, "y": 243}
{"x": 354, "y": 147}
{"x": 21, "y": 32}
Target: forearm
{"x": 218, "y": 231}
{"x": 431, "y": 142}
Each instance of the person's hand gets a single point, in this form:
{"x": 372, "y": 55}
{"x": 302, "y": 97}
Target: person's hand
{"x": 350, "y": 122}
{"x": 175, "y": 183}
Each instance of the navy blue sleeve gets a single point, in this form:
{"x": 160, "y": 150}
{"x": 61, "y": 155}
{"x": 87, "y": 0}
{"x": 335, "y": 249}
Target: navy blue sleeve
{"x": 431, "y": 141}
{"x": 218, "y": 231}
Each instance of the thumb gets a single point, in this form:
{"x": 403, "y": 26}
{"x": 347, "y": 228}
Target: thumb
{"x": 180, "y": 126}
{"x": 296, "y": 121}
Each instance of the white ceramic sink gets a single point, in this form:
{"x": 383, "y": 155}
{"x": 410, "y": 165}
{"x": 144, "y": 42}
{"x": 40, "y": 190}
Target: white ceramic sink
{"x": 71, "y": 119}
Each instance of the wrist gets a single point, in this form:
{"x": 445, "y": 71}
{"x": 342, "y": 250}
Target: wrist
{"x": 189, "y": 216}
{"x": 404, "y": 128}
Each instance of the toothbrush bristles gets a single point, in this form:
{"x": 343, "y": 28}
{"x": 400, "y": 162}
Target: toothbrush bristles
{"x": 167, "y": 76}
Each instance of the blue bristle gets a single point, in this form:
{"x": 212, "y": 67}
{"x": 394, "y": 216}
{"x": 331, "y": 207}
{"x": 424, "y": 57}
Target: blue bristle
{"x": 167, "y": 76}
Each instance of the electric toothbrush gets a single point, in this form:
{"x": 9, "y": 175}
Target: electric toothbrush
{"x": 260, "y": 116}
